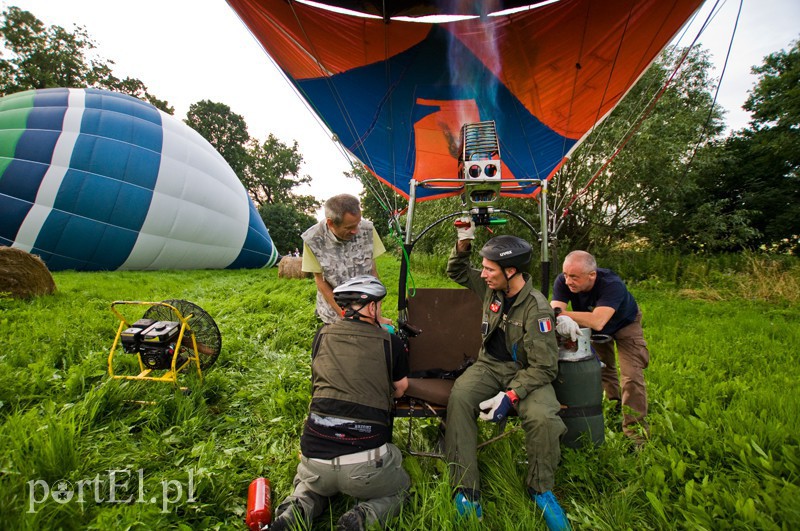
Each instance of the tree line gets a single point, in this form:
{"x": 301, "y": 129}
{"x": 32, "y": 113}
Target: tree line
{"x": 680, "y": 183}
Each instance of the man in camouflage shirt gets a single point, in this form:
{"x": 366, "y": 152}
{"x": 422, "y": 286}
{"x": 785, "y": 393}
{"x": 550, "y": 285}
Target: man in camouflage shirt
{"x": 340, "y": 247}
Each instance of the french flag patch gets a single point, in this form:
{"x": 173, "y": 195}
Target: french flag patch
{"x": 545, "y": 325}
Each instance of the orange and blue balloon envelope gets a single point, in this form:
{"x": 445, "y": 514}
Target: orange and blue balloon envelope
{"x": 396, "y": 93}
{"x": 95, "y": 180}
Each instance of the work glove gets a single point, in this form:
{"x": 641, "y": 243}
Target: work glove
{"x": 567, "y": 327}
{"x": 465, "y": 228}
{"x": 496, "y": 408}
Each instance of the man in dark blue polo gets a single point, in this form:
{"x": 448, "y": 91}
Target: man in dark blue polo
{"x": 601, "y": 301}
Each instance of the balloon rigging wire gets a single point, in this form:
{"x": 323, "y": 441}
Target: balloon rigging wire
{"x": 575, "y": 81}
{"x": 716, "y": 93}
{"x": 645, "y": 113}
{"x": 590, "y": 148}
{"x": 327, "y": 77}
{"x": 303, "y": 98}
{"x": 387, "y": 80}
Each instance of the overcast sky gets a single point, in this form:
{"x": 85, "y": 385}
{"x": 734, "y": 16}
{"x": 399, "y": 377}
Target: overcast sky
{"x": 190, "y": 50}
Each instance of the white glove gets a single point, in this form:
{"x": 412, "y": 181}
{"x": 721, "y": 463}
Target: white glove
{"x": 465, "y": 228}
{"x": 489, "y": 407}
{"x": 567, "y": 327}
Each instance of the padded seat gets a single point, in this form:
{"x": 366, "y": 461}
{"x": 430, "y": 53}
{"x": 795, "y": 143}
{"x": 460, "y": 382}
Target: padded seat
{"x": 450, "y": 320}
{"x": 436, "y": 391}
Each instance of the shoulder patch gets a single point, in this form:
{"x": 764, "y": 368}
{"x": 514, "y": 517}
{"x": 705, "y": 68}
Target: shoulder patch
{"x": 545, "y": 325}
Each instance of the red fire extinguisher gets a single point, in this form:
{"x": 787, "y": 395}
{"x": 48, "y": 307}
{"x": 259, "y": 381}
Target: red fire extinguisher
{"x": 259, "y": 507}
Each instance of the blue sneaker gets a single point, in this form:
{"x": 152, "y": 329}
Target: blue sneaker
{"x": 466, "y": 507}
{"x": 553, "y": 514}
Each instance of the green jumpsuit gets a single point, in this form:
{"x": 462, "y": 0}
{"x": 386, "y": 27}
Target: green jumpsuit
{"x": 530, "y": 338}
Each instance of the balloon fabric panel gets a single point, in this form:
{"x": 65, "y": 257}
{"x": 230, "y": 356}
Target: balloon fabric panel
{"x": 105, "y": 181}
{"x": 396, "y": 93}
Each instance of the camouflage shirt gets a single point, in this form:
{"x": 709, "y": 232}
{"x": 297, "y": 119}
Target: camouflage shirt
{"x": 340, "y": 260}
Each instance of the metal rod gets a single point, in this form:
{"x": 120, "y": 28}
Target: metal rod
{"x": 545, "y": 243}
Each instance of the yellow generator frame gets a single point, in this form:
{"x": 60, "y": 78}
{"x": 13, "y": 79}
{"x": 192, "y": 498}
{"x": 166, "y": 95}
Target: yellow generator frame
{"x": 171, "y": 375}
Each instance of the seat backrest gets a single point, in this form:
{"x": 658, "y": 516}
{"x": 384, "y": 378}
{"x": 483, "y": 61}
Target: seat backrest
{"x": 450, "y": 320}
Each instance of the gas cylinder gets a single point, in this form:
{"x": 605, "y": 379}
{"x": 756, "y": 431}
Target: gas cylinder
{"x": 579, "y": 390}
{"x": 259, "y": 507}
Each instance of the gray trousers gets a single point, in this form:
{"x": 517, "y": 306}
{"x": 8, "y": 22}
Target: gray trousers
{"x": 538, "y": 412}
{"x": 381, "y": 487}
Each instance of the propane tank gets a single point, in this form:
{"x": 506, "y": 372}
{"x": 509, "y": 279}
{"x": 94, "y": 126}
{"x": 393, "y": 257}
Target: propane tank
{"x": 259, "y": 507}
{"x": 579, "y": 390}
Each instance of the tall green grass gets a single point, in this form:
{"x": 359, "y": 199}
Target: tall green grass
{"x": 722, "y": 386}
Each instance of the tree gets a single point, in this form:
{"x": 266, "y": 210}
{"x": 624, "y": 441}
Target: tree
{"x": 285, "y": 224}
{"x": 273, "y": 170}
{"x": 224, "y": 129}
{"x": 754, "y": 175}
{"x": 39, "y": 57}
{"x": 644, "y": 185}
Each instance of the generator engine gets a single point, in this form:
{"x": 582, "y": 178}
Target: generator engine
{"x": 154, "y": 341}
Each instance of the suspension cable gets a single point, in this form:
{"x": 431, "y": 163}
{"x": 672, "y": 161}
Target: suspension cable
{"x": 647, "y": 111}
{"x": 716, "y": 92}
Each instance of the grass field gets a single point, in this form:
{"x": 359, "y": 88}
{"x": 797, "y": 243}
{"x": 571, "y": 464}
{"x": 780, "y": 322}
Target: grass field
{"x": 77, "y": 450}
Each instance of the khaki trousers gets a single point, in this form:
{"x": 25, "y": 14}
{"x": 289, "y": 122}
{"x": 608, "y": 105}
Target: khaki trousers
{"x": 633, "y": 360}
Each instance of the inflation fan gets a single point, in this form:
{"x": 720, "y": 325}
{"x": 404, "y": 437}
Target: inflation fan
{"x": 170, "y": 336}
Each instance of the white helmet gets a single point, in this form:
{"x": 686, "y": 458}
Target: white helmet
{"x": 363, "y": 288}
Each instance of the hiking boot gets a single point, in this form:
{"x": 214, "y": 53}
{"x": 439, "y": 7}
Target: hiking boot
{"x": 288, "y": 519}
{"x": 353, "y": 520}
{"x": 468, "y": 505}
{"x": 552, "y": 512}
{"x": 282, "y": 523}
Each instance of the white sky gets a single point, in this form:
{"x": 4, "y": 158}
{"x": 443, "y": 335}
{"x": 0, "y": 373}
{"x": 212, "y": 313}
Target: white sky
{"x": 190, "y": 50}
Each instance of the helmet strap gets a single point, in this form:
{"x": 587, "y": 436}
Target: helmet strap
{"x": 516, "y": 272}
{"x": 355, "y": 313}
{"x": 509, "y": 279}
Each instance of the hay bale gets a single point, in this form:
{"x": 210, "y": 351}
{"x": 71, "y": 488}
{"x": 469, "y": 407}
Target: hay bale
{"x": 24, "y": 275}
{"x": 289, "y": 267}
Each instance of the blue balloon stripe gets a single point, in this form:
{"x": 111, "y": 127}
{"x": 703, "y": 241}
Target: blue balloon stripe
{"x": 47, "y": 118}
{"x": 256, "y": 243}
{"x": 123, "y": 104}
{"x": 12, "y": 213}
{"x": 101, "y": 246}
{"x": 118, "y": 160}
{"x": 103, "y": 199}
{"x": 52, "y": 97}
{"x": 22, "y": 179}
{"x": 36, "y": 145}
{"x": 129, "y": 129}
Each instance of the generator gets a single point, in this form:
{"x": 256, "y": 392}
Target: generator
{"x": 154, "y": 341}
{"x": 170, "y": 336}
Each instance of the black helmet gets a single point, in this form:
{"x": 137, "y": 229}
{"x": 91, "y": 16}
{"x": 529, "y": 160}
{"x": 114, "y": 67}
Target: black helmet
{"x": 508, "y": 251}
{"x": 363, "y": 288}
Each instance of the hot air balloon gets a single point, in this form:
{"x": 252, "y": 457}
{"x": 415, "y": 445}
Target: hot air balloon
{"x": 396, "y": 91}
{"x": 95, "y": 180}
